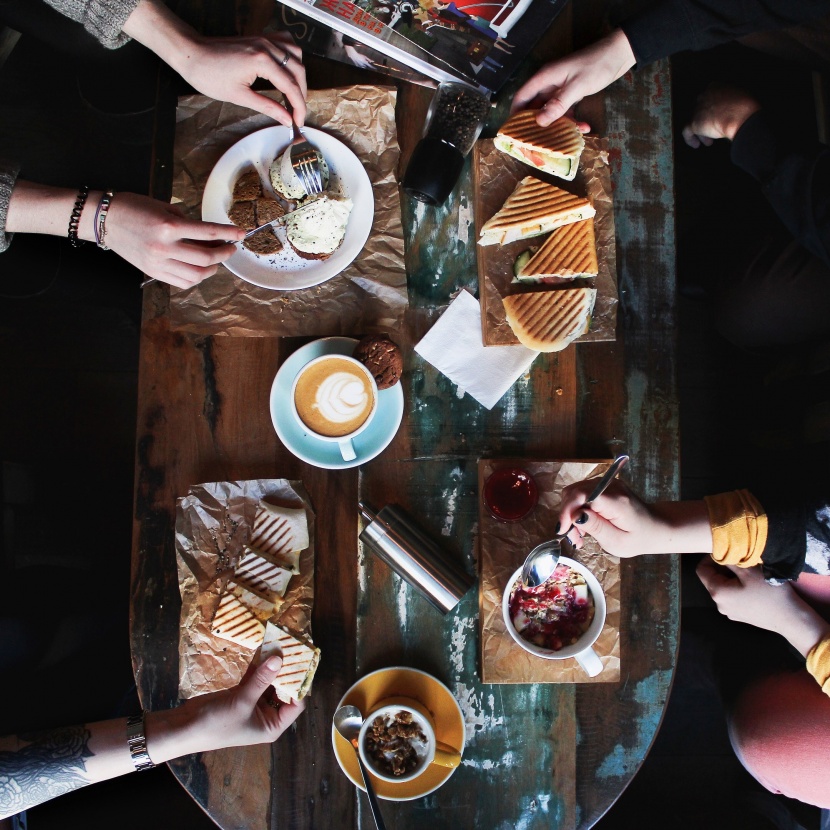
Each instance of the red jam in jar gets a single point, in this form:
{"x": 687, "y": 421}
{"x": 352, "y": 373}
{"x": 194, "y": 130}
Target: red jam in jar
{"x": 556, "y": 613}
{"x": 510, "y": 494}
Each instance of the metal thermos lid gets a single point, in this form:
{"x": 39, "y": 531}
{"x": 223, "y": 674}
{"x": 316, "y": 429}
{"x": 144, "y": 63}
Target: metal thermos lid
{"x": 392, "y": 535}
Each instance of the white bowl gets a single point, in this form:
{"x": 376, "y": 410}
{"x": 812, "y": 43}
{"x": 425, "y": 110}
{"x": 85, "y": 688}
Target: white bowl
{"x": 580, "y": 650}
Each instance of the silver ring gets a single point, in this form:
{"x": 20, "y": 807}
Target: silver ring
{"x": 284, "y": 61}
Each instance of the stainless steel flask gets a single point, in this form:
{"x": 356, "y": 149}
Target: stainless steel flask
{"x": 392, "y": 535}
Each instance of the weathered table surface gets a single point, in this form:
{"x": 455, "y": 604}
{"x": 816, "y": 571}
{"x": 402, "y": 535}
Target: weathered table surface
{"x": 537, "y": 756}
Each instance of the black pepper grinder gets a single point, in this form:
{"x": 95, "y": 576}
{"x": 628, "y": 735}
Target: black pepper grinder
{"x": 455, "y": 119}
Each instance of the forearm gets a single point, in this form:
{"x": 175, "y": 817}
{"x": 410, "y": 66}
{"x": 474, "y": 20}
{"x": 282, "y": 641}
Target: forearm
{"x": 37, "y": 208}
{"x": 153, "y": 25}
{"x": 685, "y": 526}
{"x": 37, "y": 767}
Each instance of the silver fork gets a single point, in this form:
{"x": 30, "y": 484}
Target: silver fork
{"x": 306, "y": 163}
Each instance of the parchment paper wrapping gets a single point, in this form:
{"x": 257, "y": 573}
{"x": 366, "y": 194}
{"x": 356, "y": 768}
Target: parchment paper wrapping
{"x": 213, "y": 522}
{"x": 370, "y": 295}
{"x": 503, "y": 547}
{"x": 495, "y": 176}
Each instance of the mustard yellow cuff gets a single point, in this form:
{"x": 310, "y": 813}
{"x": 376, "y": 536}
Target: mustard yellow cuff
{"x": 818, "y": 664}
{"x": 739, "y": 528}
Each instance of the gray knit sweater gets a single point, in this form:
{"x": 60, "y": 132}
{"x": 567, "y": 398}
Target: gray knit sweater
{"x": 103, "y": 19}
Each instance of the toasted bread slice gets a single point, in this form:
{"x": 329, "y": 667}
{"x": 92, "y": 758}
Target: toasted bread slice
{"x": 534, "y": 208}
{"x": 569, "y": 252}
{"x": 279, "y": 534}
{"x": 299, "y": 662}
{"x": 236, "y": 622}
{"x": 547, "y": 321}
{"x": 247, "y": 187}
{"x": 554, "y": 149}
{"x": 260, "y": 607}
{"x": 263, "y": 578}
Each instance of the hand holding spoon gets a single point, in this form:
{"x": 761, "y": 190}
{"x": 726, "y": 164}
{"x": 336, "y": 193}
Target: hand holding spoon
{"x": 543, "y": 559}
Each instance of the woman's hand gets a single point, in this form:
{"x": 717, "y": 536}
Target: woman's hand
{"x": 743, "y": 595}
{"x": 163, "y": 244}
{"x": 719, "y": 113}
{"x": 226, "y": 68}
{"x": 625, "y": 526}
{"x": 241, "y": 716}
{"x": 561, "y": 84}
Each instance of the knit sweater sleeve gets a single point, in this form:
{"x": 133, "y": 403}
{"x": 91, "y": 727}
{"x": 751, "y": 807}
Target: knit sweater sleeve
{"x": 103, "y": 19}
{"x": 8, "y": 176}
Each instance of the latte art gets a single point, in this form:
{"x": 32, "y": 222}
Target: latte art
{"x": 334, "y": 396}
{"x": 341, "y": 397}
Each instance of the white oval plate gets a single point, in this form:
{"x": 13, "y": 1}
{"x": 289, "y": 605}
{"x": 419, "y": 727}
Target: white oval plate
{"x": 286, "y": 270}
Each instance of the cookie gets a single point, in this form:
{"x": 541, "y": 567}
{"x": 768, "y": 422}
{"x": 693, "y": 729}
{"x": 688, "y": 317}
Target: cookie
{"x": 382, "y": 358}
{"x": 242, "y": 215}
{"x": 248, "y": 187}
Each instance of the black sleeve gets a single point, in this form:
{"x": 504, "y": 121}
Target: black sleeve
{"x": 675, "y": 25}
{"x": 794, "y": 176}
{"x": 798, "y": 539}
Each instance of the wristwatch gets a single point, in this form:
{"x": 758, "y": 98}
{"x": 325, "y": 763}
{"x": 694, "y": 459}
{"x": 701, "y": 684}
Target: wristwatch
{"x": 138, "y": 743}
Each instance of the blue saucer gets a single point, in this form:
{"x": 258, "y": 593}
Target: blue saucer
{"x": 371, "y": 442}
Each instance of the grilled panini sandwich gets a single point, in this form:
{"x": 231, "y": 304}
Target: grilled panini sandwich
{"x": 299, "y": 662}
{"x": 547, "y": 321}
{"x": 236, "y": 622}
{"x": 261, "y": 577}
{"x": 534, "y": 208}
{"x": 569, "y": 252}
{"x": 279, "y": 535}
{"x": 554, "y": 149}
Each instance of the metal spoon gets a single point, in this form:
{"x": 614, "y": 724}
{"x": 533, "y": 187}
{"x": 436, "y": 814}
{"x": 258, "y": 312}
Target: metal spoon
{"x": 347, "y": 721}
{"x": 543, "y": 559}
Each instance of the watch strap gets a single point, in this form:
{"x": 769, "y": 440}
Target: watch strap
{"x": 137, "y": 742}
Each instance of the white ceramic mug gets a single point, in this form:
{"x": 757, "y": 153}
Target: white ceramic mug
{"x": 435, "y": 752}
{"x": 580, "y": 650}
{"x": 343, "y": 441}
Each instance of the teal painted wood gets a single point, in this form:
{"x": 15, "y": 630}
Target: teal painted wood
{"x": 505, "y": 780}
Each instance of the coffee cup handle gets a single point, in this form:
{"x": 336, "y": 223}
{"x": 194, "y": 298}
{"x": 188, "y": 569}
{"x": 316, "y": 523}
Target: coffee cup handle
{"x": 446, "y": 756}
{"x": 347, "y": 449}
{"x": 590, "y": 662}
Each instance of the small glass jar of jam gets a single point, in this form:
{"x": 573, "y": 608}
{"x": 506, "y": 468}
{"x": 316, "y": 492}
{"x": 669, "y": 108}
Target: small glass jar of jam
{"x": 510, "y": 494}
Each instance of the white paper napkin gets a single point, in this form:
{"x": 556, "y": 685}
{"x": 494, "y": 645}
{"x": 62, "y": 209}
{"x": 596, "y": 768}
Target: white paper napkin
{"x": 454, "y": 346}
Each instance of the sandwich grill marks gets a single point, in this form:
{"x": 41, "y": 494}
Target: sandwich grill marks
{"x": 570, "y": 252}
{"x": 547, "y": 321}
{"x": 279, "y": 534}
{"x": 299, "y": 662}
{"x": 235, "y": 622}
{"x": 562, "y": 137}
{"x": 533, "y": 208}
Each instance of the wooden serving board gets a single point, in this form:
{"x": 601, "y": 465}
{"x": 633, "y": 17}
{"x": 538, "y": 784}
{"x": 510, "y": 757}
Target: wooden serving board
{"x": 495, "y": 175}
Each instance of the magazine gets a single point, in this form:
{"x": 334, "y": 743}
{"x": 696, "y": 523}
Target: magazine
{"x": 481, "y": 43}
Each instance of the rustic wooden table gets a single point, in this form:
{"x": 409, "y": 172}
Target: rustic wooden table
{"x": 536, "y": 756}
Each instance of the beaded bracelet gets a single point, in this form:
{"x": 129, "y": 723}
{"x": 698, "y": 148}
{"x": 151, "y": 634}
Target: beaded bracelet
{"x": 75, "y": 218}
{"x": 101, "y": 218}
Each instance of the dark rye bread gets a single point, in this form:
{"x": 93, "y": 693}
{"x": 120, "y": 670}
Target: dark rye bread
{"x": 243, "y": 215}
{"x": 248, "y": 187}
{"x": 263, "y": 242}
{"x": 267, "y": 210}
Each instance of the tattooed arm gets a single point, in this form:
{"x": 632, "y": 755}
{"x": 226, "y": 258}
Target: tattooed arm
{"x": 35, "y": 767}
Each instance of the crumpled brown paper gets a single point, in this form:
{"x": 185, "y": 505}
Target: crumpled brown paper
{"x": 495, "y": 176}
{"x": 213, "y": 522}
{"x": 370, "y": 295}
{"x": 503, "y": 548}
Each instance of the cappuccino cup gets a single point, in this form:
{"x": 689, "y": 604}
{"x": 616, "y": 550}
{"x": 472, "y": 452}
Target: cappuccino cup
{"x": 380, "y": 740}
{"x": 334, "y": 398}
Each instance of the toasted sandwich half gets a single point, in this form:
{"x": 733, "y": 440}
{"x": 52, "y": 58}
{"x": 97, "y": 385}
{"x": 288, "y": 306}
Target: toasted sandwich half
{"x": 569, "y": 252}
{"x": 236, "y": 622}
{"x": 299, "y": 662}
{"x": 279, "y": 534}
{"x": 534, "y": 208}
{"x": 263, "y": 578}
{"x": 553, "y": 149}
{"x": 547, "y": 321}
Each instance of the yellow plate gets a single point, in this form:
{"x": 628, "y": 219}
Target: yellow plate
{"x": 400, "y": 681}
